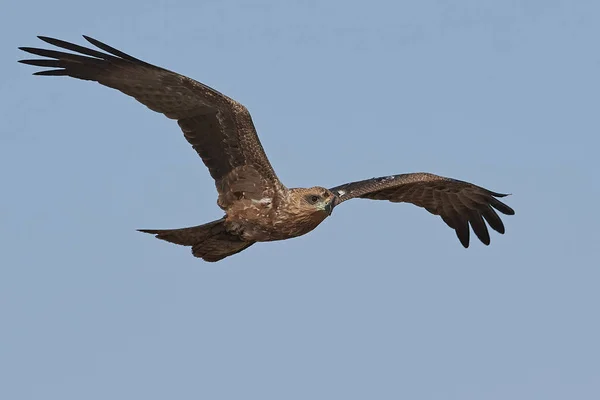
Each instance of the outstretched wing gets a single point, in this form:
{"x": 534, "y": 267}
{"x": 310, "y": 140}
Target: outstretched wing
{"x": 458, "y": 203}
{"x": 218, "y": 128}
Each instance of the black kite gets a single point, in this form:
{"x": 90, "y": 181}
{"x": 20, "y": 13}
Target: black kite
{"x": 258, "y": 207}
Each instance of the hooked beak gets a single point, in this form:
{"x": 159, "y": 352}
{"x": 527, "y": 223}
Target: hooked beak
{"x": 330, "y": 206}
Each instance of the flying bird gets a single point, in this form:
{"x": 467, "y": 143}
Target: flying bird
{"x": 258, "y": 206}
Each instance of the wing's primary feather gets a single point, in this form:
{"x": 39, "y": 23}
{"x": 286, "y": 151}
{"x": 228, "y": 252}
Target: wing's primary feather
{"x": 458, "y": 203}
{"x": 218, "y": 128}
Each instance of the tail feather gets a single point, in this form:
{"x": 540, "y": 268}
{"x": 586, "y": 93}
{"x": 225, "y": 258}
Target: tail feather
{"x": 188, "y": 236}
{"x": 210, "y": 241}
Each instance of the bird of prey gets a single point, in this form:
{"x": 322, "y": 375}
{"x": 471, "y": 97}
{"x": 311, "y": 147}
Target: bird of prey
{"x": 258, "y": 206}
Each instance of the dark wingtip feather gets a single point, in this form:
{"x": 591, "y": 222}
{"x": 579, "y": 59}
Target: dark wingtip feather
{"x": 113, "y": 51}
{"x": 58, "y": 43}
{"x": 42, "y": 63}
{"x": 46, "y": 39}
{"x": 28, "y": 49}
{"x": 495, "y": 194}
{"x": 479, "y": 227}
{"x": 52, "y": 72}
{"x": 462, "y": 233}
{"x": 463, "y": 238}
{"x": 500, "y": 206}
{"x": 483, "y": 238}
{"x": 492, "y": 218}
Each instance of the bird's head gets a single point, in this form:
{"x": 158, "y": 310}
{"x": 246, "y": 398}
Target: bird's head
{"x": 318, "y": 201}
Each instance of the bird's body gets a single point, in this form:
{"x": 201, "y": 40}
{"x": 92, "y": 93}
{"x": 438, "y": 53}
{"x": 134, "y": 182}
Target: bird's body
{"x": 264, "y": 220}
{"x": 258, "y": 207}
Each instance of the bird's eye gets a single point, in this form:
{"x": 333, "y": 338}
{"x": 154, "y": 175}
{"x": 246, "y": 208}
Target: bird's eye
{"x": 314, "y": 199}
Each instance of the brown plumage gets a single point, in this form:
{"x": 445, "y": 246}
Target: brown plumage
{"x": 258, "y": 207}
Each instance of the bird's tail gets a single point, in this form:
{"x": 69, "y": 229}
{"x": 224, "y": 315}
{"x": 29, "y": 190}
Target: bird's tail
{"x": 211, "y": 241}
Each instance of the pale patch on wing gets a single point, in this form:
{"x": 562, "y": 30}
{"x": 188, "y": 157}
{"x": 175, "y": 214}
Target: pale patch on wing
{"x": 245, "y": 183}
{"x": 264, "y": 201}
{"x": 341, "y": 192}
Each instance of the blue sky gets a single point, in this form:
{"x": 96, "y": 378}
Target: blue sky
{"x": 381, "y": 301}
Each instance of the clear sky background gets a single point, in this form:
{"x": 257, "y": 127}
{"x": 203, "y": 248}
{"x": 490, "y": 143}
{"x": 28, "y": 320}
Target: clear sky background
{"x": 381, "y": 301}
